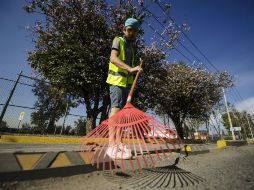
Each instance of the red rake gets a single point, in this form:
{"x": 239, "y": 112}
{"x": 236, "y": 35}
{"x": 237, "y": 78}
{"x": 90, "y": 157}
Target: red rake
{"x": 146, "y": 138}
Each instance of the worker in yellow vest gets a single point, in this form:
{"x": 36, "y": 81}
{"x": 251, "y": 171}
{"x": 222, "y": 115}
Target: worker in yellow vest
{"x": 120, "y": 77}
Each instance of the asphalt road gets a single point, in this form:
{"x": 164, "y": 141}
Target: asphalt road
{"x": 230, "y": 168}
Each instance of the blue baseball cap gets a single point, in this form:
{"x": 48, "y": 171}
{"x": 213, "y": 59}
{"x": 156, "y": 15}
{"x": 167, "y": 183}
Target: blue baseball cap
{"x": 132, "y": 22}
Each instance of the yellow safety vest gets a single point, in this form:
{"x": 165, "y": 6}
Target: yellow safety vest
{"x": 116, "y": 75}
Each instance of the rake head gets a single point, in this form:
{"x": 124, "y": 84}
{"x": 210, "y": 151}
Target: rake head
{"x": 143, "y": 137}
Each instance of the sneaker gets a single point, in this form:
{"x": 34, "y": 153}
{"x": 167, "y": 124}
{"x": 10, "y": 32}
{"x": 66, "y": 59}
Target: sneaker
{"x": 123, "y": 147}
{"x": 116, "y": 153}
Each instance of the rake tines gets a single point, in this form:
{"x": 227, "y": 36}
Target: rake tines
{"x": 142, "y": 136}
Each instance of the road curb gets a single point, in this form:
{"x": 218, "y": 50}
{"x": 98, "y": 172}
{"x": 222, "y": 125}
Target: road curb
{"x": 38, "y": 139}
{"x": 224, "y": 143}
{"x": 250, "y": 141}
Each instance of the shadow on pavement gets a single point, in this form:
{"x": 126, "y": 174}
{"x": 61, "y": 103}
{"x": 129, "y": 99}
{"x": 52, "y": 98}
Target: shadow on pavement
{"x": 159, "y": 177}
{"x": 46, "y": 173}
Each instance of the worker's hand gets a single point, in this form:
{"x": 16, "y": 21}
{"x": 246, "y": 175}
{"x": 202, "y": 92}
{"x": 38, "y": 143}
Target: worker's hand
{"x": 135, "y": 69}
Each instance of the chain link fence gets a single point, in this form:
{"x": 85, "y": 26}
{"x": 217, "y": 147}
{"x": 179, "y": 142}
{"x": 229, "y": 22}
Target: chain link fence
{"x": 17, "y": 104}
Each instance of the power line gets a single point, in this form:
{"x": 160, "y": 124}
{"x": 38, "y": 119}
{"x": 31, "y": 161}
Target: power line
{"x": 239, "y": 97}
{"x": 236, "y": 93}
{"x": 17, "y": 106}
{"x": 34, "y": 79}
{"x": 164, "y": 27}
{"x": 194, "y": 45}
{"x": 34, "y": 108}
{"x": 2, "y": 78}
{"x": 187, "y": 37}
{"x": 155, "y": 31}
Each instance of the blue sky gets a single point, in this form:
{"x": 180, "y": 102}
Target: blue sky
{"x": 222, "y": 29}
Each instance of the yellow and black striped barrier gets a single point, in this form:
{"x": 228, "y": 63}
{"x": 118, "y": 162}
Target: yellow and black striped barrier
{"x": 42, "y": 160}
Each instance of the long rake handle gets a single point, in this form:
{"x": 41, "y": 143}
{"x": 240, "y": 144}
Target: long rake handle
{"x": 134, "y": 82}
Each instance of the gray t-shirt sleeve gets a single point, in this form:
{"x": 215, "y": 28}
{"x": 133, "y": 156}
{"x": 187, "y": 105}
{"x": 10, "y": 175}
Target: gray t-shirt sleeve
{"x": 116, "y": 44}
{"x": 128, "y": 49}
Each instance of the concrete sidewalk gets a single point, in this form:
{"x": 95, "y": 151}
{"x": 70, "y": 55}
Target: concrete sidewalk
{"x": 38, "y": 147}
{"x": 56, "y": 147}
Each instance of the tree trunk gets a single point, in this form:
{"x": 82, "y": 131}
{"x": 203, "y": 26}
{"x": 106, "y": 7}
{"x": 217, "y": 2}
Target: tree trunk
{"x": 178, "y": 123}
{"x": 90, "y": 123}
{"x": 218, "y": 124}
{"x": 51, "y": 125}
{"x": 179, "y": 130}
{"x": 207, "y": 129}
{"x": 92, "y": 113}
{"x": 90, "y": 120}
{"x": 186, "y": 129}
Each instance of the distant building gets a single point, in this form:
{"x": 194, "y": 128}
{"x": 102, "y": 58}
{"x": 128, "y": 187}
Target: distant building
{"x": 202, "y": 134}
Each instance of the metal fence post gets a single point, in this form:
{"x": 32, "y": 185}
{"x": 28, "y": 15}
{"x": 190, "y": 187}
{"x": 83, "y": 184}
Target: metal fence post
{"x": 9, "y": 99}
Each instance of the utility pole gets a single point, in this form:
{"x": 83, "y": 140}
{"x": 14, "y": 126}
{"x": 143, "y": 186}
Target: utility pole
{"x": 230, "y": 122}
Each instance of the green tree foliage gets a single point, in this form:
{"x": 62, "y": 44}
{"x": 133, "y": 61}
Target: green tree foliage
{"x": 239, "y": 119}
{"x": 50, "y": 105}
{"x": 66, "y": 131}
{"x": 4, "y": 125}
{"x": 187, "y": 92}
{"x": 26, "y": 128}
{"x": 154, "y": 69}
{"x": 72, "y": 48}
{"x": 80, "y": 127}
